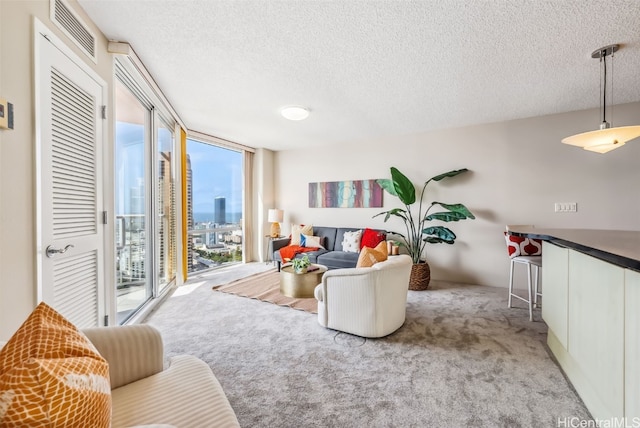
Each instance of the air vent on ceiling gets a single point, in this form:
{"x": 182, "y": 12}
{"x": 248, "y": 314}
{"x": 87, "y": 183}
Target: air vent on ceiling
{"x": 73, "y": 26}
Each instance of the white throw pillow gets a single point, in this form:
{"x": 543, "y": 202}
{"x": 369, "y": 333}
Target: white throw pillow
{"x": 310, "y": 241}
{"x": 351, "y": 241}
{"x": 297, "y": 229}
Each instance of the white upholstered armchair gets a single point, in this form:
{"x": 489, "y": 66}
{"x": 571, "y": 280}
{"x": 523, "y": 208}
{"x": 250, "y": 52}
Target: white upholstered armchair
{"x": 367, "y": 302}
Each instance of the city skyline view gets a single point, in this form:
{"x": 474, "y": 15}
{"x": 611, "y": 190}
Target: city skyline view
{"x": 216, "y": 172}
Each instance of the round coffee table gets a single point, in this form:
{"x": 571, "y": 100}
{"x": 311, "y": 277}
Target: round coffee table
{"x": 300, "y": 285}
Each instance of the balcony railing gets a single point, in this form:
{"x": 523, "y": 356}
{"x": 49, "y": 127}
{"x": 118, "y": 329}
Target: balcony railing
{"x": 130, "y": 250}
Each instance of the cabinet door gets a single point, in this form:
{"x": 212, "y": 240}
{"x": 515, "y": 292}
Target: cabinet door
{"x": 596, "y": 333}
{"x": 632, "y": 345}
{"x": 555, "y": 286}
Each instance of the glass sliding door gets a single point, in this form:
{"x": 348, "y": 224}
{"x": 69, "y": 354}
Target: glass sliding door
{"x": 145, "y": 200}
{"x": 133, "y": 285}
{"x": 166, "y": 239}
{"x": 214, "y": 206}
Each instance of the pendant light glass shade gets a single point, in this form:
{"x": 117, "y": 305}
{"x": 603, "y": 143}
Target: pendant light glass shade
{"x": 606, "y": 138}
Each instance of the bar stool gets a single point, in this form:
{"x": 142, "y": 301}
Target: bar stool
{"x": 528, "y": 252}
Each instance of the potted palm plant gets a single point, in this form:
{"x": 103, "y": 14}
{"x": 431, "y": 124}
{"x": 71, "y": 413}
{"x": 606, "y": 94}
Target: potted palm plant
{"x": 418, "y": 235}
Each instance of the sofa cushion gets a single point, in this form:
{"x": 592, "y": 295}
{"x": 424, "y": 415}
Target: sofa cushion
{"x": 340, "y": 235}
{"x": 351, "y": 241}
{"x": 371, "y": 238}
{"x": 187, "y": 394}
{"x": 297, "y": 230}
{"x": 311, "y": 241}
{"x": 313, "y": 255}
{"x": 329, "y": 235}
{"x": 338, "y": 259}
{"x": 370, "y": 256}
{"x": 51, "y": 375}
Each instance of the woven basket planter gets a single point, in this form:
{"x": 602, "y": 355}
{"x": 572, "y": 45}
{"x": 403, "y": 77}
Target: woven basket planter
{"x": 420, "y": 276}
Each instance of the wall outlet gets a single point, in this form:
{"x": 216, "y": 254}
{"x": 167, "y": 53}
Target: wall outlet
{"x": 566, "y": 207}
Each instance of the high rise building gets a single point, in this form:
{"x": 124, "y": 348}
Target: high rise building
{"x": 220, "y": 214}
{"x": 136, "y": 198}
{"x": 166, "y": 235}
{"x": 190, "y": 223}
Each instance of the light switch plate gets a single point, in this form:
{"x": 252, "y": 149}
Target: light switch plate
{"x": 566, "y": 207}
{"x": 6, "y": 114}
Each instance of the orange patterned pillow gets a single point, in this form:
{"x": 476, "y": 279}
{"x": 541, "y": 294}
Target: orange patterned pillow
{"x": 370, "y": 256}
{"x": 51, "y": 375}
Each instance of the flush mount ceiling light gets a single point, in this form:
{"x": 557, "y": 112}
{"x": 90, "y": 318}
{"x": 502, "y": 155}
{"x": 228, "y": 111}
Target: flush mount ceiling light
{"x": 606, "y": 138}
{"x": 294, "y": 112}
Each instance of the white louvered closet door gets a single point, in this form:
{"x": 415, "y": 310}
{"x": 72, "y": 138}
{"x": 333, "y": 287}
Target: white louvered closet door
{"x": 70, "y": 201}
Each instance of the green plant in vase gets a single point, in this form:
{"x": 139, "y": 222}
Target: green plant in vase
{"x": 300, "y": 265}
{"x": 418, "y": 233}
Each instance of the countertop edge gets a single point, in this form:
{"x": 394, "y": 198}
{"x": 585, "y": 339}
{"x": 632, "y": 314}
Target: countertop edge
{"x": 616, "y": 259}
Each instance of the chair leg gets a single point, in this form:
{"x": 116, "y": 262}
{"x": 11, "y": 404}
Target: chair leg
{"x": 510, "y": 283}
{"x": 538, "y": 291}
{"x": 530, "y": 289}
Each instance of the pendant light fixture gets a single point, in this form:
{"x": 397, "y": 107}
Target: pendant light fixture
{"x": 606, "y": 138}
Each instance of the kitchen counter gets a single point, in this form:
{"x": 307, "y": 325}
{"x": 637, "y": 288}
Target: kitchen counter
{"x": 591, "y": 296}
{"x": 619, "y": 247}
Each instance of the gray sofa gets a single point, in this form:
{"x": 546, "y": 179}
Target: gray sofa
{"x": 332, "y": 255}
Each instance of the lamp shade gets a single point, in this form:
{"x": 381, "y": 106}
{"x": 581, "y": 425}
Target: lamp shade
{"x": 275, "y": 216}
{"x": 604, "y": 140}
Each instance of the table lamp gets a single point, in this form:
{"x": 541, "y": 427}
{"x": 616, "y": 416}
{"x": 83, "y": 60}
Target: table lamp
{"x": 275, "y": 217}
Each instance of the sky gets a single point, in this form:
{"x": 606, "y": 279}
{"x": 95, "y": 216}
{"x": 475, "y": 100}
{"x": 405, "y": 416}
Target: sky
{"x": 216, "y": 172}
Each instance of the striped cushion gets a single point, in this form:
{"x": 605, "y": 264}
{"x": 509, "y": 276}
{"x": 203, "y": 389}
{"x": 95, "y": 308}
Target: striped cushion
{"x": 187, "y": 394}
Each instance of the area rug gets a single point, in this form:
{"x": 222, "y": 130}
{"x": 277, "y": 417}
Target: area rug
{"x": 266, "y": 287}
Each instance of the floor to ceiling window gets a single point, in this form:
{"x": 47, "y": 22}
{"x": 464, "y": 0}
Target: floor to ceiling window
{"x": 166, "y": 239}
{"x": 145, "y": 197}
{"x": 133, "y": 285}
{"x": 214, "y": 206}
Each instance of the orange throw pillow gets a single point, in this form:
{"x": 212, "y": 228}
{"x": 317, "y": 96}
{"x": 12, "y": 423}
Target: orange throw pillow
{"x": 370, "y": 256}
{"x": 52, "y": 375}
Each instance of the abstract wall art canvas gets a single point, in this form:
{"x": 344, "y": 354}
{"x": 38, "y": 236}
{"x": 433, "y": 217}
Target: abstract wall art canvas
{"x": 345, "y": 194}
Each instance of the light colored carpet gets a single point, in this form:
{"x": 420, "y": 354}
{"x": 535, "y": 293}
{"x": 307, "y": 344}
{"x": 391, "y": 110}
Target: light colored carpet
{"x": 265, "y": 286}
{"x": 462, "y": 359}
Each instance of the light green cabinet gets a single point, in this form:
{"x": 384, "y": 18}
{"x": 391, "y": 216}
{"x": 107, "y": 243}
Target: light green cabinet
{"x": 596, "y": 333}
{"x": 592, "y": 309}
{"x": 632, "y": 345}
{"x": 555, "y": 289}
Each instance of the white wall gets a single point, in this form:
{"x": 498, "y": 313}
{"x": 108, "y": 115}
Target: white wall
{"x": 518, "y": 169}
{"x": 17, "y": 154}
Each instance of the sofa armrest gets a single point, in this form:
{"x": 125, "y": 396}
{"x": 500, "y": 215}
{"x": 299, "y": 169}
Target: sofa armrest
{"x": 133, "y": 352}
{"x": 279, "y": 243}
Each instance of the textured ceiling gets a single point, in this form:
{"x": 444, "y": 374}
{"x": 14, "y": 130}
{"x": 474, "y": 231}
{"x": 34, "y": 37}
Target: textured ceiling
{"x": 371, "y": 69}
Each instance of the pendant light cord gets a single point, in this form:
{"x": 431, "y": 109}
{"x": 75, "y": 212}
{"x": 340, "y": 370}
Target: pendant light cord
{"x": 604, "y": 91}
{"x": 611, "y": 96}
{"x": 603, "y": 87}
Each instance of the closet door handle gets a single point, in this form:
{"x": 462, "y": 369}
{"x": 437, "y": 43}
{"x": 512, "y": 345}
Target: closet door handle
{"x": 52, "y": 251}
